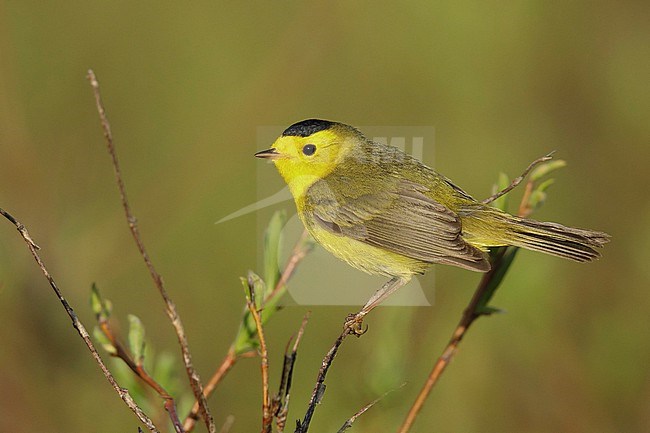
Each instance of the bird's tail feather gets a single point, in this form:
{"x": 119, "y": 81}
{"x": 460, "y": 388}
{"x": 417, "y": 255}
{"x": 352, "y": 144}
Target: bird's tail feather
{"x": 571, "y": 243}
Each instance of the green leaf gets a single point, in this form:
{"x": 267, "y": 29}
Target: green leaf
{"x": 502, "y": 183}
{"x": 166, "y": 369}
{"x": 537, "y": 199}
{"x": 487, "y": 310}
{"x": 136, "y": 338}
{"x": 108, "y": 307}
{"x": 272, "y": 247}
{"x": 546, "y": 168}
{"x": 95, "y": 300}
{"x": 101, "y": 307}
{"x": 500, "y": 269}
{"x": 538, "y": 196}
{"x": 544, "y": 185}
{"x": 104, "y": 341}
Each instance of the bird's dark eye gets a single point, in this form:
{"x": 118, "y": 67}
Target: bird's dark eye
{"x": 309, "y": 149}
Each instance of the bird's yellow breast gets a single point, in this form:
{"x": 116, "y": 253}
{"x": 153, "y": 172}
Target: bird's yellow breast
{"x": 368, "y": 258}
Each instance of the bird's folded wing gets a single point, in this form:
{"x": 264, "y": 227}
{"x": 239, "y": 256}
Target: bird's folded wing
{"x": 400, "y": 218}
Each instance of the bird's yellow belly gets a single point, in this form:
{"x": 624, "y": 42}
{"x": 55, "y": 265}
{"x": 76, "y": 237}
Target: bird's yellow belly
{"x": 368, "y": 258}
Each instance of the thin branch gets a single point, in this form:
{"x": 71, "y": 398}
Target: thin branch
{"x": 347, "y": 424}
{"x": 319, "y": 389}
{"x": 122, "y": 392}
{"x": 470, "y": 314}
{"x": 364, "y": 409}
{"x": 172, "y": 313}
{"x": 519, "y": 179}
{"x": 267, "y": 416}
{"x": 138, "y": 369}
{"x": 301, "y": 331}
{"x": 280, "y": 405}
{"x": 228, "y": 362}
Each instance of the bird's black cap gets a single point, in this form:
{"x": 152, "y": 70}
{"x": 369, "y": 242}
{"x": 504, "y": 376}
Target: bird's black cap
{"x": 307, "y": 127}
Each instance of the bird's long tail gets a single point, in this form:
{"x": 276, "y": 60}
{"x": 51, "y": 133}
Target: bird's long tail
{"x": 571, "y": 243}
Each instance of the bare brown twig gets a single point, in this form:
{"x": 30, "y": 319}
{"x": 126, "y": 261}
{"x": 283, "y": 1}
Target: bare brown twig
{"x": 519, "y": 179}
{"x": 76, "y": 323}
{"x": 319, "y": 389}
{"x": 280, "y": 404}
{"x": 172, "y": 313}
{"x": 267, "y": 416}
{"x": 363, "y": 410}
{"x": 228, "y": 362}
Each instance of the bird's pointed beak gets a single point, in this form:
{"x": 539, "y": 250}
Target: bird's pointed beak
{"x": 271, "y": 153}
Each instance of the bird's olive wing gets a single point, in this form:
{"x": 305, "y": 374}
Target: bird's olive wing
{"x": 400, "y": 218}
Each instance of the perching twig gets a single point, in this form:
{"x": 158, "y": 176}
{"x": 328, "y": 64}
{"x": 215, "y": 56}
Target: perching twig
{"x": 472, "y": 312}
{"x": 267, "y": 416}
{"x": 319, "y": 389}
{"x": 280, "y": 405}
{"x": 228, "y": 362}
{"x": 172, "y": 313}
{"x": 122, "y": 392}
{"x": 519, "y": 179}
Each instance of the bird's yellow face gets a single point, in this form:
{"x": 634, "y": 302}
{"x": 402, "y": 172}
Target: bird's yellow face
{"x": 304, "y": 160}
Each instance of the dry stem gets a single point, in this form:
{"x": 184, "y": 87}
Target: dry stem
{"x": 347, "y": 424}
{"x": 228, "y": 362}
{"x": 122, "y": 392}
{"x": 172, "y": 313}
{"x": 519, "y": 179}
{"x": 280, "y": 405}
{"x": 319, "y": 389}
{"x": 267, "y": 416}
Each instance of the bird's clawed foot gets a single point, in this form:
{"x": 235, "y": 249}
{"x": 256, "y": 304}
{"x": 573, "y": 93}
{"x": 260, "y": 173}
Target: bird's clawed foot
{"x": 354, "y": 324}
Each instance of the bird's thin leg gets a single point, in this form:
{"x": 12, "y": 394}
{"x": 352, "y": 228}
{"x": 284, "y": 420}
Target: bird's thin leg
{"x": 354, "y": 321}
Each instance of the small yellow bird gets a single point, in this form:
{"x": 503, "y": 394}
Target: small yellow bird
{"x": 386, "y": 213}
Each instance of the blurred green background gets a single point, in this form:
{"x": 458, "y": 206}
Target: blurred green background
{"x": 186, "y": 86}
